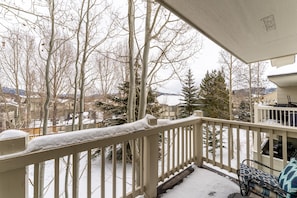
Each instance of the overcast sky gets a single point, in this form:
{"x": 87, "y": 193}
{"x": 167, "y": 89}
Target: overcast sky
{"x": 207, "y": 60}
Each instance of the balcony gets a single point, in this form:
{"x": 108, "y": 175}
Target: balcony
{"x": 160, "y": 150}
{"x": 284, "y": 115}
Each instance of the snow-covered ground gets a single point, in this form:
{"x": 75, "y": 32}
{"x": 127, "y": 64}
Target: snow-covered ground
{"x": 203, "y": 183}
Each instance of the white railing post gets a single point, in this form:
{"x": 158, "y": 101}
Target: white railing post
{"x": 13, "y": 183}
{"x": 198, "y": 139}
{"x": 151, "y": 153}
{"x": 256, "y": 113}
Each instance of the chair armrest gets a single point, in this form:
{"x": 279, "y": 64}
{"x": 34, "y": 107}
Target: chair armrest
{"x": 259, "y": 163}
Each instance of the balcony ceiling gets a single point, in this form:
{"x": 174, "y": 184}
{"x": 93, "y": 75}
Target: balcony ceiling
{"x": 252, "y": 30}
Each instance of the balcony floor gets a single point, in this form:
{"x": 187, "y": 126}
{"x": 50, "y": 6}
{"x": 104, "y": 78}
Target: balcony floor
{"x": 205, "y": 183}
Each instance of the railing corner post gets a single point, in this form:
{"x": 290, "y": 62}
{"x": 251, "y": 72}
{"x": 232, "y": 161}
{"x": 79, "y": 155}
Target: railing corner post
{"x": 198, "y": 113}
{"x": 151, "y": 153}
{"x": 13, "y": 183}
{"x": 198, "y": 140}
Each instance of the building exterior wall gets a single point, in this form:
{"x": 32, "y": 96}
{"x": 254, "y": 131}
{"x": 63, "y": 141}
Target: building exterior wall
{"x": 284, "y": 92}
{"x": 270, "y": 99}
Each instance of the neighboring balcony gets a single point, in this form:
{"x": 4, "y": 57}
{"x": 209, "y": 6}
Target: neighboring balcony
{"x": 100, "y": 164}
{"x": 285, "y": 115}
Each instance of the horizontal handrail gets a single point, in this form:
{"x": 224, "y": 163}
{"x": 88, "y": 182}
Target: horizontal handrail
{"x": 161, "y": 151}
{"x": 43, "y": 149}
{"x": 245, "y": 140}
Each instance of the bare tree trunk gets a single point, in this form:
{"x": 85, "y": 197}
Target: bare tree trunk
{"x": 147, "y": 39}
{"x": 250, "y": 94}
{"x": 230, "y": 88}
{"x": 230, "y": 103}
{"x": 47, "y": 68}
{"x": 82, "y": 68}
{"x": 48, "y": 92}
{"x": 131, "y": 98}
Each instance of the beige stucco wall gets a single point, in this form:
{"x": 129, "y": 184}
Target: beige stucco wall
{"x": 270, "y": 99}
{"x": 284, "y": 92}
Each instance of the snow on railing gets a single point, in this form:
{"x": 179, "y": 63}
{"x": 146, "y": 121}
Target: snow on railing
{"x": 106, "y": 162}
{"x": 131, "y": 159}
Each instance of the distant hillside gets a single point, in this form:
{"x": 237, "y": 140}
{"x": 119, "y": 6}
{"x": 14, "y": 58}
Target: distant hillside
{"x": 8, "y": 90}
{"x": 254, "y": 91}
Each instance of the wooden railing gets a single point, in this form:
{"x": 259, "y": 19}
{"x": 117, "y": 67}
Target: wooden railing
{"x": 286, "y": 116}
{"x": 241, "y": 140}
{"x": 111, "y": 173}
{"x": 99, "y": 165}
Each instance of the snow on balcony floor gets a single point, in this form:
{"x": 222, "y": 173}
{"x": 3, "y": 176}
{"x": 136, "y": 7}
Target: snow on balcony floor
{"x": 203, "y": 183}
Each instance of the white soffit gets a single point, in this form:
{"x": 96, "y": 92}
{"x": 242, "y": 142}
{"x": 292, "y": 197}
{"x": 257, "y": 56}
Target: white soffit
{"x": 281, "y": 61}
{"x": 252, "y": 30}
{"x": 284, "y": 80}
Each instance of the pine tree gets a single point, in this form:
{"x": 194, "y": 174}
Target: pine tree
{"x": 214, "y": 96}
{"x": 244, "y": 111}
{"x": 212, "y": 137}
{"x": 190, "y": 96}
{"x": 118, "y": 105}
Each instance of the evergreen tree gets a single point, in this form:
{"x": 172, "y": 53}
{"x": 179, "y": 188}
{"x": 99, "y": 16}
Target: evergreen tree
{"x": 190, "y": 96}
{"x": 118, "y": 105}
{"x": 244, "y": 111}
{"x": 212, "y": 137}
{"x": 214, "y": 96}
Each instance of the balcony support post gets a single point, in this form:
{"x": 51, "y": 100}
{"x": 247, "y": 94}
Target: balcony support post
{"x": 151, "y": 153}
{"x": 198, "y": 139}
{"x": 13, "y": 183}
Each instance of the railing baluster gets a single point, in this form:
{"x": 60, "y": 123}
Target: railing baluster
{"x": 141, "y": 165}
{"x": 89, "y": 173}
{"x": 75, "y": 174}
{"x": 174, "y": 153}
{"x": 213, "y": 143}
{"x": 178, "y": 148}
{"x": 168, "y": 150}
{"x": 163, "y": 156}
{"x": 221, "y": 145}
{"x": 247, "y": 143}
{"x": 294, "y": 118}
{"x": 258, "y": 145}
{"x": 103, "y": 172}
{"x": 187, "y": 144}
{"x": 183, "y": 146}
{"x": 271, "y": 149}
{"x": 230, "y": 150}
{"x": 238, "y": 147}
{"x": 133, "y": 167}
{"x": 114, "y": 170}
{"x": 277, "y": 117}
{"x": 57, "y": 177}
{"x": 191, "y": 129}
{"x": 124, "y": 156}
{"x": 206, "y": 140}
{"x": 36, "y": 180}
